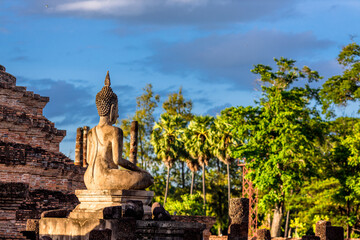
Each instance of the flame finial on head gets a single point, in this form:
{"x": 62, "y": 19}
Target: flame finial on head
{"x": 107, "y": 79}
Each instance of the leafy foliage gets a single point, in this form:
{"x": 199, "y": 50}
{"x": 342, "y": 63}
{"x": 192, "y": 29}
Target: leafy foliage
{"x": 340, "y": 89}
{"x": 145, "y": 107}
{"x": 166, "y": 138}
{"x": 189, "y": 205}
{"x": 177, "y": 105}
{"x": 280, "y": 133}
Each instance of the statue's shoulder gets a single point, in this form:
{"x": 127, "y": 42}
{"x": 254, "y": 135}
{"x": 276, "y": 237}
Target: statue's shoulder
{"x": 116, "y": 130}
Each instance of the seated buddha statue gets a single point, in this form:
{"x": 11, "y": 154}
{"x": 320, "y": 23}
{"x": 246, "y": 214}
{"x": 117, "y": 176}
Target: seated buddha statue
{"x": 104, "y": 151}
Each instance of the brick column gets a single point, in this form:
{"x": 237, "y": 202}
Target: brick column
{"x": 239, "y": 219}
{"x": 320, "y": 229}
{"x": 78, "y": 146}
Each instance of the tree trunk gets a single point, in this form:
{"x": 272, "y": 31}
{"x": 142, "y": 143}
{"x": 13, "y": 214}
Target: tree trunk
{"x": 204, "y": 190}
{"x": 268, "y": 220}
{"x": 167, "y": 184}
{"x": 276, "y": 223}
{"x": 192, "y": 182}
{"x": 229, "y": 187}
{"x": 183, "y": 174}
{"x": 287, "y": 224}
{"x": 348, "y": 228}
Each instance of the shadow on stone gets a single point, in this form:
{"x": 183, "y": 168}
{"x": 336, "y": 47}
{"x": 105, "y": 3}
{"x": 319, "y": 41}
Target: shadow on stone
{"x": 112, "y": 212}
{"x": 134, "y": 209}
{"x": 58, "y": 213}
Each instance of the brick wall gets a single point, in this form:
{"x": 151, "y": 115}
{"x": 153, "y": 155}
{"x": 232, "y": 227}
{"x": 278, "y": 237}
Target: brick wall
{"x": 21, "y": 119}
{"x": 34, "y": 175}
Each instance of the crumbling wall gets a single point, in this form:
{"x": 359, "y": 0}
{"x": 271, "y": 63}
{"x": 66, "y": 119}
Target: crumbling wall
{"x": 34, "y": 175}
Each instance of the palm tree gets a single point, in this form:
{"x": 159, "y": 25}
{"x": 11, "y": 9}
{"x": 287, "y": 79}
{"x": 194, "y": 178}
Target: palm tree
{"x": 193, "y": 165}
{"x": 222, "y": 140}
{"x": 191, "y": 162}
{"x": 198, "y": 144}
{"x": 166, "y": 141}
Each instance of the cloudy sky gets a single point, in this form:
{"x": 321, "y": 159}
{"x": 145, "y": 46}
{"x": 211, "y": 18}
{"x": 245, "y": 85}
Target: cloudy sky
{"x": 63, "y": 48}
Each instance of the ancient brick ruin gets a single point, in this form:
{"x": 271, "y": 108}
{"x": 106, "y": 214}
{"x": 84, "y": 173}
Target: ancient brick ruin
{"x": 34, "y": 175}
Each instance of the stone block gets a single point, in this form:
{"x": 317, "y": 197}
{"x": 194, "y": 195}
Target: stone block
{"x": 92, "y": 202}
{"x": 310, "y": 238}
{"x": 169, "y": 230}
{"x": 31, "y": 235}
{"x": 209, "y": 221}
{"x": 159, "y": 213}
{"x": 239, "y": 219}
{"x": 100, "y": 234}
{"x": 112, "y": 212}
{"x": 263, "y": 234}
{"x": 334, "y": 233}
{"x": 134, "y": 209}
{"x": 32, "y": 225}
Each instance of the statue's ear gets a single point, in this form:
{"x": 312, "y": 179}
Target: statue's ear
{"x": 112, "y": 112}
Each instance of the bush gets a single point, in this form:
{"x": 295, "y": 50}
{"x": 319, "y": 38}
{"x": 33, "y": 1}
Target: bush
{"x": 189, "y": 205}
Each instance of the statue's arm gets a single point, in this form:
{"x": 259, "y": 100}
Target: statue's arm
{"x": 89, "y": 152}
{"x": 117, "y": 146}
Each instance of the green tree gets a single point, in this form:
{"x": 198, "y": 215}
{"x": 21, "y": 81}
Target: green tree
{"x": 166, "y": 141}
{"x": 145, "y": 107}
{"x": 342, "y": 164}
{"x": 333, "y": 193}
{"x": 176, "y": 104}
{"x": 198, "y": 144}
{"x": 340, "y": 89}
{"x": 281, "y": 145}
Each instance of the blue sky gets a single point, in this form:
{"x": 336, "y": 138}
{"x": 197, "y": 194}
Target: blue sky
{"x": 62, "y": 49}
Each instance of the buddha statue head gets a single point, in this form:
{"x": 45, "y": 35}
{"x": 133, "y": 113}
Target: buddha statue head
{"x": 107, "y": 102}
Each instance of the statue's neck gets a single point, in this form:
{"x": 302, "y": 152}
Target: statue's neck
{"x": 104, "y": 121}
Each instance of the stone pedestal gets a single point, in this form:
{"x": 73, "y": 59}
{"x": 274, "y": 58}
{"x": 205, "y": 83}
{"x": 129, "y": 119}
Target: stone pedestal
{"x": 118, "y": 229}
{"x": 93, "y": 202}
{"x": 100, "y": 215}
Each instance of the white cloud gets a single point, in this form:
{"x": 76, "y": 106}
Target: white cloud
{"x": 165, "y": 12}
{"x": 121, "y": 7}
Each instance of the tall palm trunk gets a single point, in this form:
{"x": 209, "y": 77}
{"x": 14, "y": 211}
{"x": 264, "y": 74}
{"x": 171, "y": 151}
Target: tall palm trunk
{"x": 204, "y": 190}
{"x": 192, "y": 182}
{"x": 183, "y": 174}
{"x": 167, "y": 184}
{"x": 228, "y": 178}
{"x": 276, "y": 223}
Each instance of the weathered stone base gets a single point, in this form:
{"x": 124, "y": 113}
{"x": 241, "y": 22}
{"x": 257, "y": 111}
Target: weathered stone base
{"x": 92, "y": 202}
{"x": 117, "y": 229}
